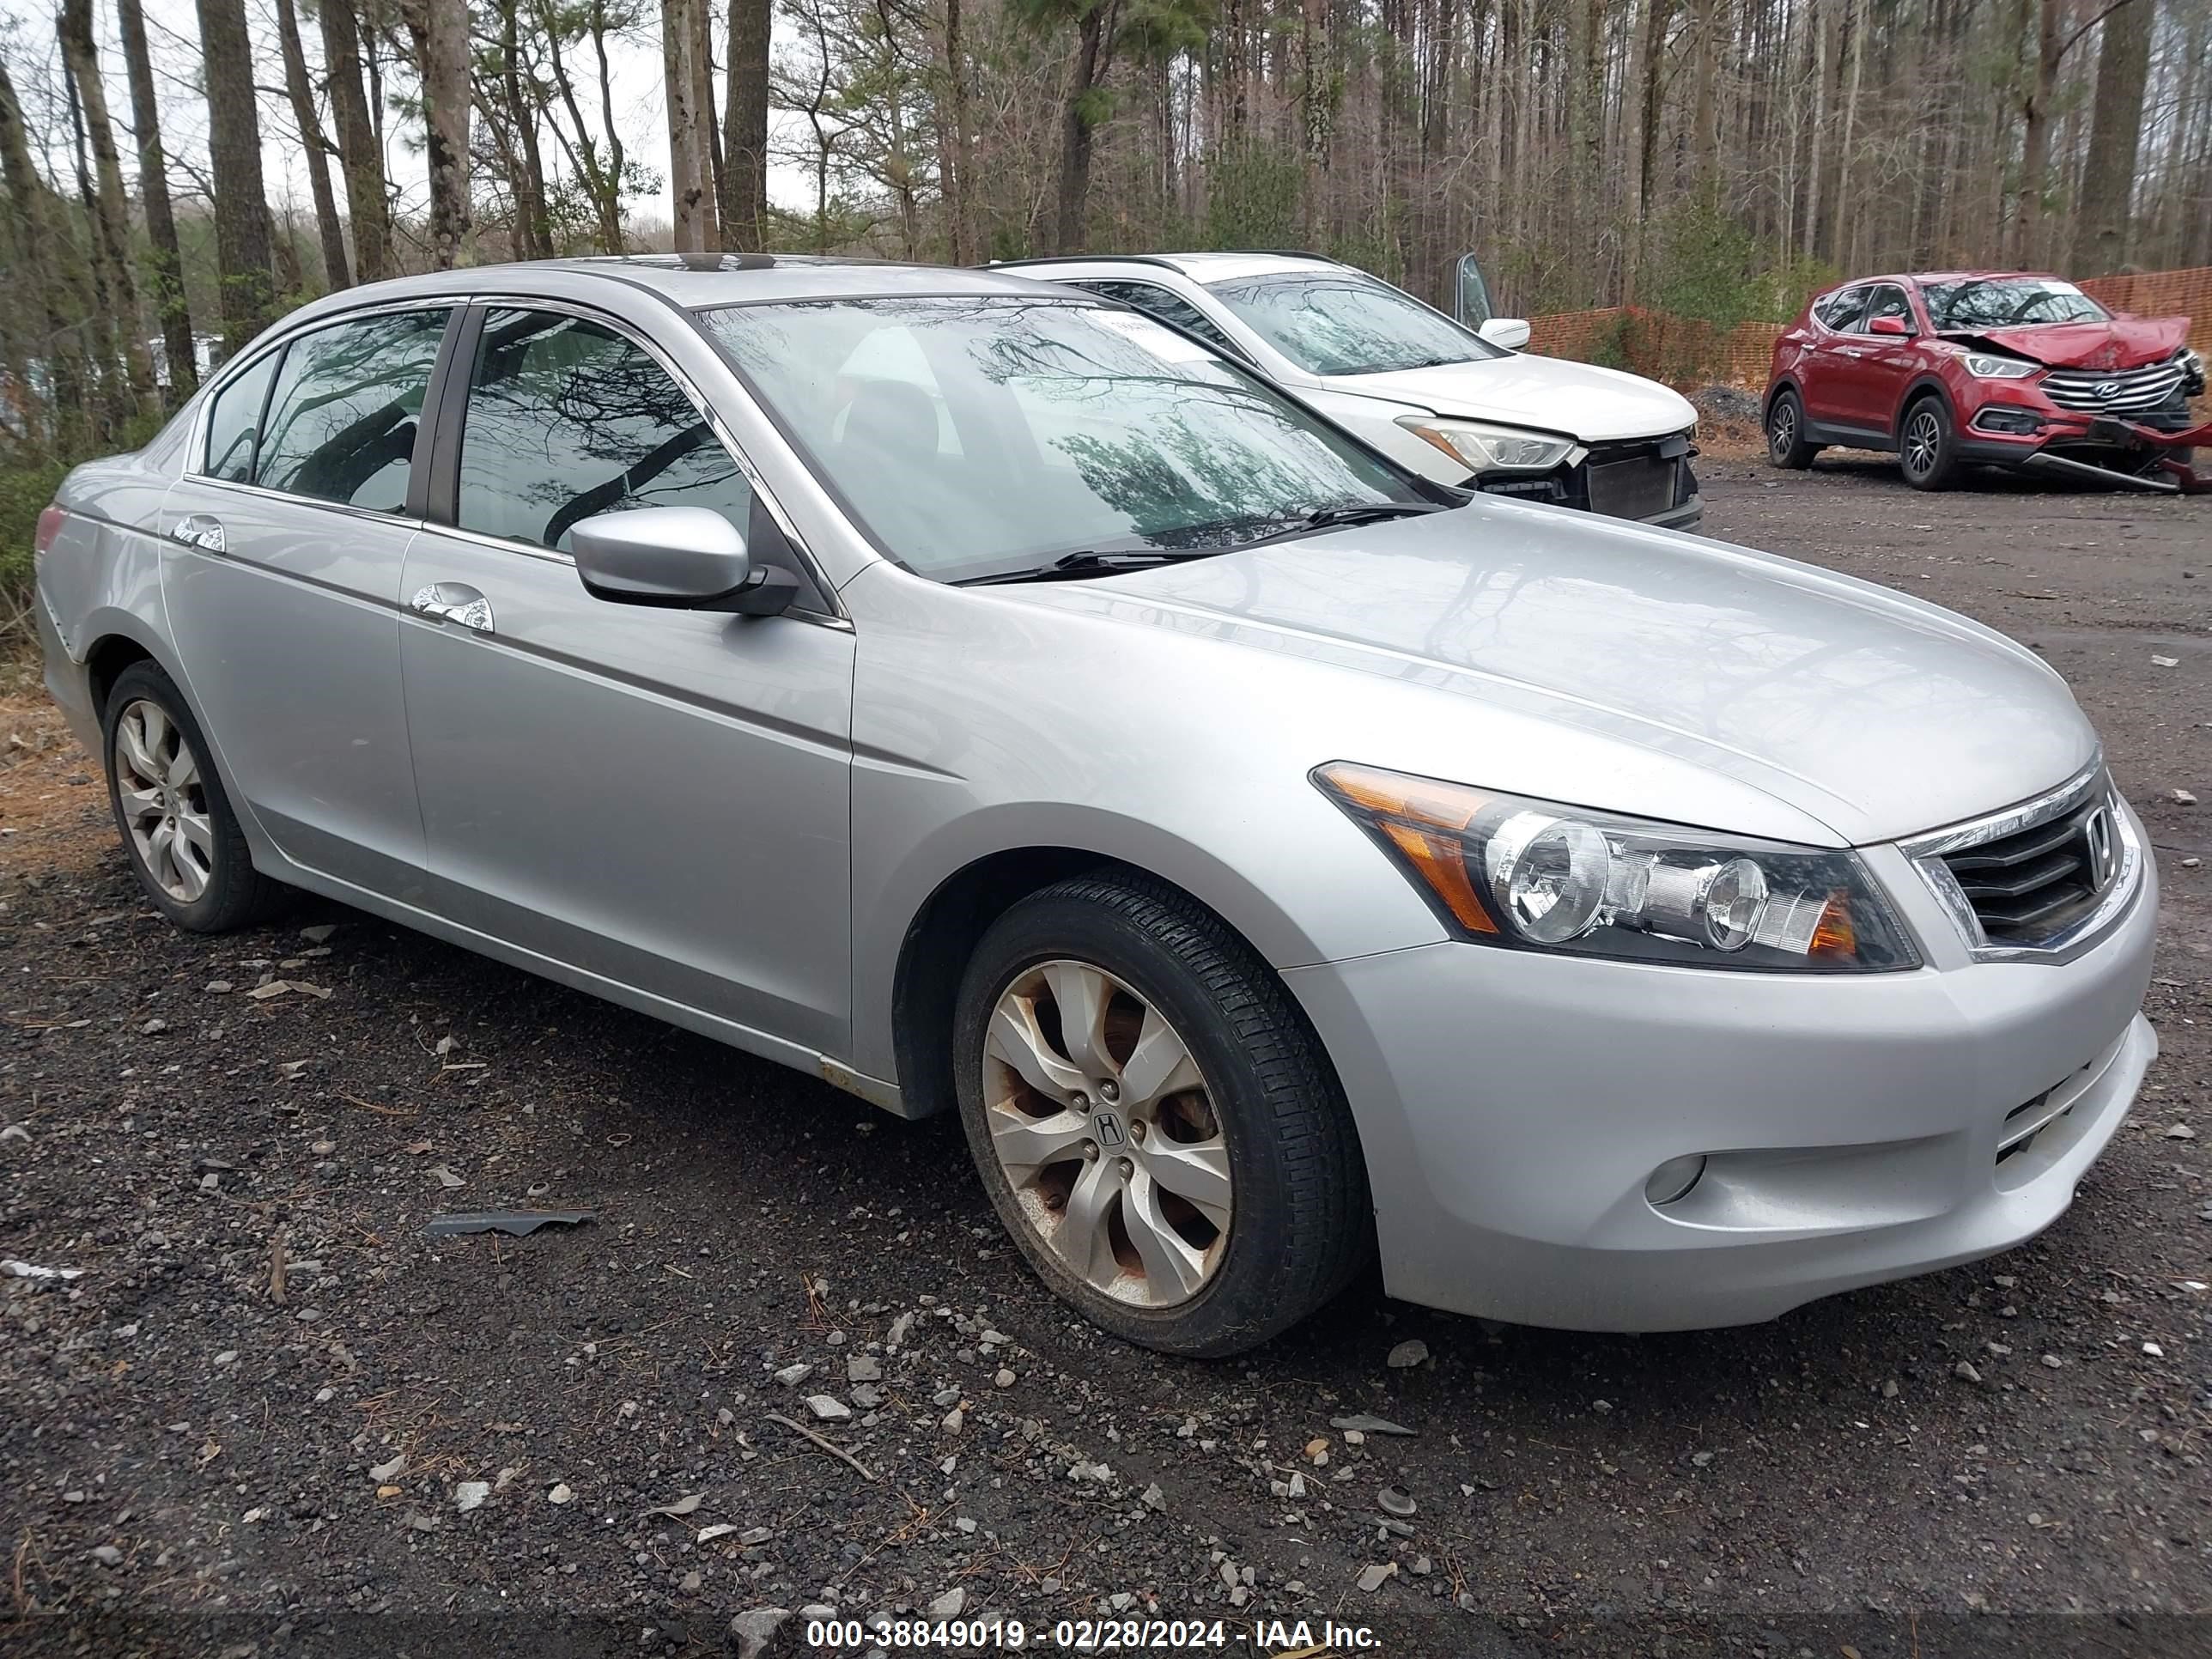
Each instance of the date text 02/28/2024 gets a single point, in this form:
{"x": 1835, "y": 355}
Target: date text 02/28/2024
{"x": 1280, "y": 1638}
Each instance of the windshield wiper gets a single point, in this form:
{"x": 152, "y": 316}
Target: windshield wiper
{"x": 1325, "y": 518}
{"x": 1071, "y": 567}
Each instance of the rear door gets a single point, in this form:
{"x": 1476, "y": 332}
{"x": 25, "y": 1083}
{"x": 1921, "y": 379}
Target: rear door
{"x": 285, "y": 540}
{"x": 657, "y": 799}
{"x": 1832, "y": 354}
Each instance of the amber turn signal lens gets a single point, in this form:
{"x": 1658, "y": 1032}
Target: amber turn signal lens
{"x": 1400, "y": 807}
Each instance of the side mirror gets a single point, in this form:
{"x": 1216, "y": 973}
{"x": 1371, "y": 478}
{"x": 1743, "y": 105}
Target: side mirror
{"x": 1895, "y": 327}
{"x": 677, "y": 557}
{"x": 1511, "y": 332}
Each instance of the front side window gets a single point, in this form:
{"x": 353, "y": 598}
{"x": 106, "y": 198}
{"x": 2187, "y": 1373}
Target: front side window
{"x": 1079, "y": 428}
{"x": 348, "y": 403}
{"x": 1887, "y": 300}
{"x": 567, "y": 418}
{"x": 1169, "y": 307}
{"x": 233, "y": 426}
{"x": 1348, "y": 323}
{"x": 2007, "y": 303}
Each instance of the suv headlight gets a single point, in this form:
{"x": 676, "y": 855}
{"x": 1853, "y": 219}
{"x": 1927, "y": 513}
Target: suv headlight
{"x": 2193, "y": 372}
{"x": 1485, "y": 448}
{"x": 1988, "y": 366}
{"x": 1504, "y": 870}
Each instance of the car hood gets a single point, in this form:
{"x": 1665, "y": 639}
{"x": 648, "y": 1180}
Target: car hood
{"x": 1872, "y": 714}
{"x": 2123, "y": 342}
{"x": 1597, "y": 405}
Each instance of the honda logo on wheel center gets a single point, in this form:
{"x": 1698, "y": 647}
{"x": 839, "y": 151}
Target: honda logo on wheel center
{"x": 1107, "y": 1126}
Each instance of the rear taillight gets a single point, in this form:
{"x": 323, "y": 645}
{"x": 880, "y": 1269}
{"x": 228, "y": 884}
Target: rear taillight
{"x": 49, "y": 524}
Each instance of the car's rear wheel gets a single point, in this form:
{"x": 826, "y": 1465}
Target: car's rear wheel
{"x": 1927, "y": 446}
{"x": 1785, "y": 434}
{"x": 178, "y": 831}
{"x": 1155, "y": 1122}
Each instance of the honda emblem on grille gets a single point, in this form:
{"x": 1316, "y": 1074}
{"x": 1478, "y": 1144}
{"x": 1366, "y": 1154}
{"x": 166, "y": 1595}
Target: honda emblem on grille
{"x": 2103, "y": 847}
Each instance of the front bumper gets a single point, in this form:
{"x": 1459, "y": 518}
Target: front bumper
{"x": 1650, "y": 481}
{"x": 1513, "y": 1105}
{"x": 2160, "y": 454}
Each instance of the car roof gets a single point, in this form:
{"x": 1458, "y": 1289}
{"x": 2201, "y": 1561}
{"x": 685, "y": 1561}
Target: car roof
{"x": 1947, "y": 276}
{"x": 1208, "y": 267}
{"x": 697, "y": 281}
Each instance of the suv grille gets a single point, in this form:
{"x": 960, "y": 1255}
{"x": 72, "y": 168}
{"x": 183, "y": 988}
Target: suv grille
{"x": 2026, "y": 886}
{"x": 2113, "y": 391}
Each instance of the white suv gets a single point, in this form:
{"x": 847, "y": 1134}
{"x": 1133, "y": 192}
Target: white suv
{"x": 1451, "y": 401}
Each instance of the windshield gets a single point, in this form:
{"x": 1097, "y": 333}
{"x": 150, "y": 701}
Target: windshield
{"x": 2007, "y": 303}
{"x": 1346, "y": 323}
{"x": 977, "y": 436}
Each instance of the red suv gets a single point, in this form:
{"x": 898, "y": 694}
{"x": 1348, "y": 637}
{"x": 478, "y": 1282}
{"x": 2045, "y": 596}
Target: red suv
{"x": 2001, "y": 368}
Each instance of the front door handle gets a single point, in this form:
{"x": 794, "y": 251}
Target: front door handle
{"x": 453, "y": 602}
{"x": 198, "y": 530}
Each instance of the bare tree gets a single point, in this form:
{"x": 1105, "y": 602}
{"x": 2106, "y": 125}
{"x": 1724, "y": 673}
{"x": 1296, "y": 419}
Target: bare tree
{"x": 171, "y": 307}
{"x": 315, "y": 149}
{"x": 691, "y": 140}
{"x": 745, "y": 127}
{"x": 2101, "y": 228}
{"x": 111, "y": 210}
{"x": 440, "y": 30}
{"x": 242, "y": 239}
{"x": 360, "y": 148}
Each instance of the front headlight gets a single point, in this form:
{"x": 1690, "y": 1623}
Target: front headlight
{"x": 1988, "y": 366}
{"x": 1490, "y": 448}
{"x": 1504, "y": 870}
{"x": 2193, "y": 371}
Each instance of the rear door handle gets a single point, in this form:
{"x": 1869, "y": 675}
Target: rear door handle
{"x": 198, "y": 530}
{"x": 453, "y": 602}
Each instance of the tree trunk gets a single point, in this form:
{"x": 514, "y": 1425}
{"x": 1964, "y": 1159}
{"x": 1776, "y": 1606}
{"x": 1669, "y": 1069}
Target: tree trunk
{"x": 440, "y": 32}
{"x": 242, "y": 248}
{"x": 690, "y": 173}
{"x": 302, "y": 93}
{"x": 360, "y": 155}
{"x": 533, "y": 222}
{"x": 745, "y": 127}
{"x": 2102, "y": 229}
{"x": 111, "y": 208}
{"x": 1072, "y": 198}
{"x": 2035, "y": 133}
{"x": 956, "y": 151}
{"x": 63, "y": 349}
{"x": 170, "y": 307}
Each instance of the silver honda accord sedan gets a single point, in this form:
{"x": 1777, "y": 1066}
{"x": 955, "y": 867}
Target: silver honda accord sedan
{"x": 988, "y": 699}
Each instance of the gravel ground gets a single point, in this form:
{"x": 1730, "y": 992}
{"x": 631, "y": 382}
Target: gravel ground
{"x": 601, "y": 1433}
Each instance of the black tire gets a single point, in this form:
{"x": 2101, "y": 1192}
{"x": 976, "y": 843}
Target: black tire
{"x": 233, "y": 893}
{"x": 1927, "y": 444}
{"x": 1785, "y": 434}
{"x": 1301, "y": 1223}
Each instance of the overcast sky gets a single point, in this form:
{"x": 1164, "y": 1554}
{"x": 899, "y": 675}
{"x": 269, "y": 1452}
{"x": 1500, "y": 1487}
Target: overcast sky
{"x": 172, "y": 30}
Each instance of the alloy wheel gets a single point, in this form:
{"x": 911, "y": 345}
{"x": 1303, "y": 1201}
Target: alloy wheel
{"x": 164, "y": 801}
{"x": 1924, "y": 437}
{"x": 1782, "y": 429}
{"x": 1108, "y": 1134}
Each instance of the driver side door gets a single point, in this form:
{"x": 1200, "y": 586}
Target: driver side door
{"x": 653, "y": 802}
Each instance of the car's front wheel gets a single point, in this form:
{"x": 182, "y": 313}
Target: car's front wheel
{"x": 182, "y": 838}
{"x": 1928, "y": 448}
{"x": 1155, "y": 1122}
{"x": 1785, "y": 434}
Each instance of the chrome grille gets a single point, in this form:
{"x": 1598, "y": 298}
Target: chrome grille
{"x": 2113, "y": 391}
{"x": 2029, "y": 884}
{"x": 2039, "y": 878}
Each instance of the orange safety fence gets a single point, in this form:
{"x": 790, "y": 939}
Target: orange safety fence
{"x": 1685, "y": 352}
